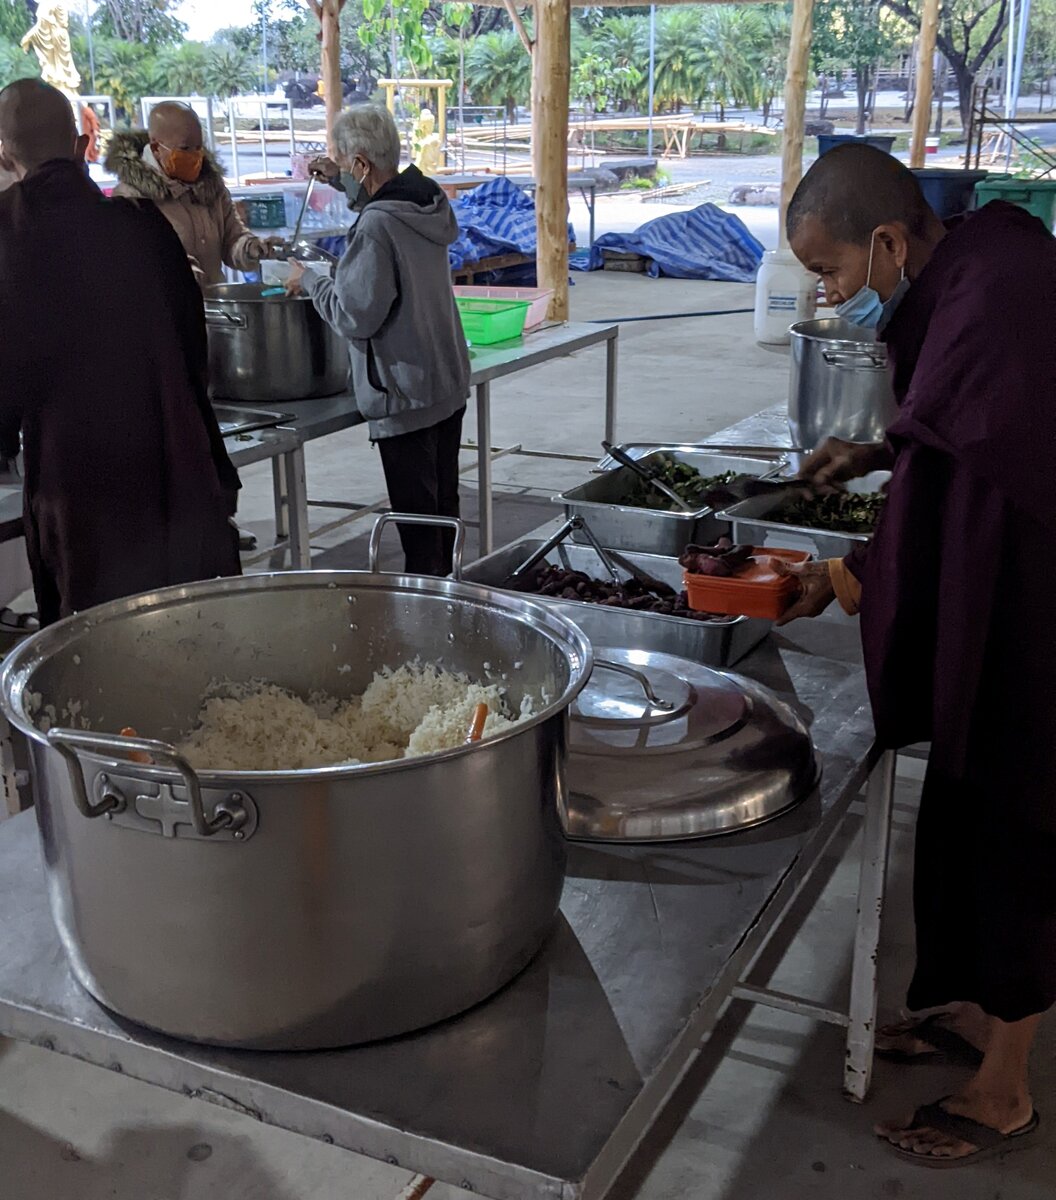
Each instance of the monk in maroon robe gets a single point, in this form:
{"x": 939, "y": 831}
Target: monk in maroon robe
{"x": 103, "y": 359}
{"x": 956, "y": 594}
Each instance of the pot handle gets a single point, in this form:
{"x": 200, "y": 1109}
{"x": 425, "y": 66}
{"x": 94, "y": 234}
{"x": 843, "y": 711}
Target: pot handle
{"x": 855, "y": 360}
{"x": 69, "y": 741}
{"x": 217, "y": 316}
{"x": 641, "y": 679}
{"x": 454, "y": 523}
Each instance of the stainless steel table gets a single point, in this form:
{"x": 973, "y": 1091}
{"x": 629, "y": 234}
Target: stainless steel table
{"x": 546, "y": 1089}
{"x": 314, "y": 419}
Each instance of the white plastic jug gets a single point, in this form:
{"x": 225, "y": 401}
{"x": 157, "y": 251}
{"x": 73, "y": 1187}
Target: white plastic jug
{"x": 785, "y": 292}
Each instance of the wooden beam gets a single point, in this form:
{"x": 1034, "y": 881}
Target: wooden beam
{"x": 929, "y": 28}
{"x": 551, "y": 73}
{"x": 795, "y": 105}
{"x": 518, "y": 24}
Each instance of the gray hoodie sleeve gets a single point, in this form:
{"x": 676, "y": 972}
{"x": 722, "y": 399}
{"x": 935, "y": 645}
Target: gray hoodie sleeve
{"x": 360, "y": 297}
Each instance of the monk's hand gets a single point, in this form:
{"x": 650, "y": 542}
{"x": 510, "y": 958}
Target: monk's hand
{"x": 836, "y": 461}
{"x": 815, "y": 592}
{"x": 272, "y": 246}
{"x": 295, "y": 279}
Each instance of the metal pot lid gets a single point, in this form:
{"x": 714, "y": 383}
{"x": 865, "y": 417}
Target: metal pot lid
{"x": 704, "y": 753}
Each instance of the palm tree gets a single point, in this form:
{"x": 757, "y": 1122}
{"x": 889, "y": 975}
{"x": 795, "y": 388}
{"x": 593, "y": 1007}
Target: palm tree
{"x": 229, "y": 72}
{"x": 733, "y": 37}
{"x": 681, "y": 58}
{"x": 122, "y": 70}
{"x": 624, "y": 41}
{"x": 182, "y": 70}
{"x": 499, "y": 71}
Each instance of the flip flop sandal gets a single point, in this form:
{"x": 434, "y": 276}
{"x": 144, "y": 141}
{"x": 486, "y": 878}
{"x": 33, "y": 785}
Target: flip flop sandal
{"x": 989, "y": 1142}
{"x": 946, "y": 1045}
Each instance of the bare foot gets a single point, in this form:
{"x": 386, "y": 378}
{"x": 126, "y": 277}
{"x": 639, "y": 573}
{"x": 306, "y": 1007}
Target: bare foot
{"x": 1005, "y": 1114}
{"x": 966, "y": 1020}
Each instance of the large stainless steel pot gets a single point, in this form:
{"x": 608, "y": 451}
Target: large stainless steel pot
{"x": 270, "y": 348}
{"x": 839, "y": 384}
{"x": 295, "y": 909}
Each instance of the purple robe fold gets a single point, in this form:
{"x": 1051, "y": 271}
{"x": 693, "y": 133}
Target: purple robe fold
{"x": 957, "y": 608}
{"x": 103, "y": 366}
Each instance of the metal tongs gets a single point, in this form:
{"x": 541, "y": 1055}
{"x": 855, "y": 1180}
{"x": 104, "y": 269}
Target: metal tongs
{"x": 746, "y": 487}
{"x": 625, "y": 460}
{"x": 519, "y": 579}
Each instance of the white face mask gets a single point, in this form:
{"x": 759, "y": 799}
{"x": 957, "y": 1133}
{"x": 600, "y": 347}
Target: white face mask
{"x": 865, "y": 308}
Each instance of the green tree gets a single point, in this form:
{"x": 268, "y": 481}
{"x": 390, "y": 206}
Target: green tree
{"x": 773, "y": 54}
{"x": 181, "y": 70}
{"x": 399, "y": 25}
{"x": 624, "y": 41}
{"x": 969, "y": 33}
{"x": 853, "y": 34}
{"x": 142, "y": 22}
{"x": 230, "y": 71}
{"x": 15, "y": 63}
{"x": 681, "y": 72}
{"x": 597, "y": 81}
{"x": 123, "y": 70}
{"x": 733, "y": 37}
{"x": 15, "y": 21}
{"x": 499, "y": 71}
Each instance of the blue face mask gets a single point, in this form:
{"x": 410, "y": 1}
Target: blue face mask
{"x": 865, "y": 308}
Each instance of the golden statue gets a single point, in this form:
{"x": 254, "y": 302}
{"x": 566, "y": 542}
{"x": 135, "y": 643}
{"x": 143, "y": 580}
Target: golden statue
{"x": 428, "y": 152}
{"x": 50, "y": 40}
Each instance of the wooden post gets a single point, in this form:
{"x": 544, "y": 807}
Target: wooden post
{"x": 328, "y": 13}
{"x": 929, "y": 28}
{"x": 795, "y": 105}
{"x": 551, "y": 72}
{"x": 441, "y": 117}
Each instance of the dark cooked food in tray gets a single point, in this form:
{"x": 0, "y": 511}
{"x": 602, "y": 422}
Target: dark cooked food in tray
{"x": 723, "y": 560}
{"x": 842, "y": 512}
{"x": 563, "y": 584}
{"x": 681, "y": 478}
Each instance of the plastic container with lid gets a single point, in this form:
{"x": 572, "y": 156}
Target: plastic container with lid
{"x": 756, "y": 591}
{"x": 785, "y": 292}
{"x": 948, "y": 190}
{"x": 879, "y": 141}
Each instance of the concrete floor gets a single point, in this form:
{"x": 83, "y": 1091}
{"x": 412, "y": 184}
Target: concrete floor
{"x": 760, "y": 1117}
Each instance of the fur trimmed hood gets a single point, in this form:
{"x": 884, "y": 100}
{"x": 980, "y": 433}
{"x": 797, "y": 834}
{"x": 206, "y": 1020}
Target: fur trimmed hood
{"x": 125, "y": 160}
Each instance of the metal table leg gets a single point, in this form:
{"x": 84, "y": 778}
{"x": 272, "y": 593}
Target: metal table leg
{"x": 610, "y": 389}
{"x": 876, "y": 842}
{"x": 485, "y": 499}
{"x": 297, "y": 508}
{"x": 282, "y": 500}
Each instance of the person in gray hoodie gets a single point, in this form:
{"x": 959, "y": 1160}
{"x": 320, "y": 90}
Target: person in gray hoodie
{"x": 391, "y": 297}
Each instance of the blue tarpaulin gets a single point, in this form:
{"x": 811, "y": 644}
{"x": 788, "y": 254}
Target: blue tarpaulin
{"x": 704, "y": 243}
{"x": 496, "y": 218}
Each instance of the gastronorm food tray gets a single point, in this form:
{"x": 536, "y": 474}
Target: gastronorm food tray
{"x": 718, "y": 643}
{"x": 753, "y": 523}
{"x": 648, "y": 530}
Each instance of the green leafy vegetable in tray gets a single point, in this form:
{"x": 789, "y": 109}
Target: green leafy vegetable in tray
{"x": 680, "y": 477}
{"x": 843, "y": 512}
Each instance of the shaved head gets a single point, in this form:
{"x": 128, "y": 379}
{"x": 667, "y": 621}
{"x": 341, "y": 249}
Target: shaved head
{"x": 36, "y": 126}
{"x": 176, "y": 126}
{"x": 853, "y": 190}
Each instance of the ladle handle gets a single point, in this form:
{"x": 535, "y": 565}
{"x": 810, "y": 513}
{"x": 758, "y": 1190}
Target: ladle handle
{"x": 374, "y": 549}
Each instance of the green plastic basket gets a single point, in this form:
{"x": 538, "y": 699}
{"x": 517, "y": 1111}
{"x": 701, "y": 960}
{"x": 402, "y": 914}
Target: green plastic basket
{"x": 265, "y": 212}
{"x": 1037, "y": 196}
{"x": 486, "y": 322}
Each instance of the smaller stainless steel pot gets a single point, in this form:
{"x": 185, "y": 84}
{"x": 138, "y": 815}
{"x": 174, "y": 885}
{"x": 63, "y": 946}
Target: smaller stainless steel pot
{"x": 269, "y": 349}
{"x": 839, "y": 384}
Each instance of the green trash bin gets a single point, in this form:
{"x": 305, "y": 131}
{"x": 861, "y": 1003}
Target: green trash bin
{"x": 1037, "y": 196}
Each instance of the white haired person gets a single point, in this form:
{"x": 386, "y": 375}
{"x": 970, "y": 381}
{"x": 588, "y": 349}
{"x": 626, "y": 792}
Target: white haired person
{"x": 391, "y": 298}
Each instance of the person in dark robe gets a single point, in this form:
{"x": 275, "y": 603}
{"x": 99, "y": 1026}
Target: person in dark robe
{"x": 955, "y": 592}
{"x": 128, "y": 486}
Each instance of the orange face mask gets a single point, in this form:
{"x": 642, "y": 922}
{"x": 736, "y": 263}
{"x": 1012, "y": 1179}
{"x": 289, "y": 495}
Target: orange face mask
{"x": 184, "y": 165}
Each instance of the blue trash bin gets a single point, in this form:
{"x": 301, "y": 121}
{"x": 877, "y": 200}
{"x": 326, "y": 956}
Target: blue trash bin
{"x": 948, "y": 190}
{"x": 826, "y": 141}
